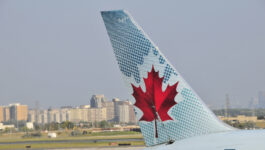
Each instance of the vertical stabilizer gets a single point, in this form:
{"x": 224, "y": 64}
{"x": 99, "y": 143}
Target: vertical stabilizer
{"x": 165, "y": 105}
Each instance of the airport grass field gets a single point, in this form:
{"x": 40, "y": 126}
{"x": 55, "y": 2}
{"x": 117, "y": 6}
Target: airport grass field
{"x": 64, "y": 140}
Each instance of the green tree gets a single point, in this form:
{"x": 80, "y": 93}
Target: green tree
{"x": 37, "y": 126}
{"x": 67, "y": 125}
{"x": 103, "y": 124}
{"x": 53, "y": 126}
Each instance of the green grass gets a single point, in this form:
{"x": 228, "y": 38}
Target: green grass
{"x": 65, "y": 136}
{"x": 69, "y": 138}
{"x": 17, "y": 137}
{"x": 66, "y": 145}
{"x": 113, "y": 133}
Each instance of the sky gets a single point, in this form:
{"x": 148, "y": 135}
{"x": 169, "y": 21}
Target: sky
{"x": 58, "y": 52}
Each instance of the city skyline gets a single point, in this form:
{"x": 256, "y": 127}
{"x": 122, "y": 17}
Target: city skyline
{"x": 99, "y": 109}
{"x": 40, "y": 106}
{"x": 62, "y": 55}
{"x": 256, "y": 101}
{"x": 253, "y": 102}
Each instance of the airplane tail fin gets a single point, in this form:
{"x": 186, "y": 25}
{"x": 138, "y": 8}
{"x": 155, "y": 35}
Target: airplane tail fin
{"x": 165, "y": 105}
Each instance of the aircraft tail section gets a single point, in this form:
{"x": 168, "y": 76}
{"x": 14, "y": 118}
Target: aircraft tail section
{"x": 165, "y": 105}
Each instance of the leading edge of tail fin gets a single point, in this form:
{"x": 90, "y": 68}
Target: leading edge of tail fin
{"x": 165, "y": 105}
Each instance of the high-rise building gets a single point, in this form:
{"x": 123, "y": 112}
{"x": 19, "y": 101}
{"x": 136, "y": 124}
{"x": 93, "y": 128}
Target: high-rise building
{"x": 1, "y": 114}
{"x": 124, "y": 113}
{"x": 18, "y": 112}
{"x": 132, "y": 118}
{"x": 54, "y": 115}
{"x": 13, "y": 112}
{"x": 116, "y": 102}
{"x": 32, "y": 116}
{"x": 78, "y": 115}
{"x": 97, "y": 114}
{"x": 6, "y": 113}
{"x": 110, "y": 110}
{"x": 64, "y": 114}
{"x": 43, "y": 117}
{"x": 97, "y": 100}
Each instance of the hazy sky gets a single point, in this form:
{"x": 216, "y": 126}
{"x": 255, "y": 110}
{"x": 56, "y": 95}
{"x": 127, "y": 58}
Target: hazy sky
{"x": 58, "y": 52}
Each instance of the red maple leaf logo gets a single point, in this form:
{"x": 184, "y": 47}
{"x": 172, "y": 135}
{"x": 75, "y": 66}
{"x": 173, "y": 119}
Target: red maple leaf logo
{"x": 154, "y": 102}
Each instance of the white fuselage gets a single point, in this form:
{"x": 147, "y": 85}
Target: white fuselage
{"x": 234, "y": 140}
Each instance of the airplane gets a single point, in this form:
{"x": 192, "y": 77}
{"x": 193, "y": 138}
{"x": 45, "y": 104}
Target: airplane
{"x": 170, "y": 114}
